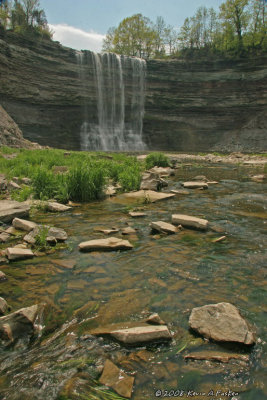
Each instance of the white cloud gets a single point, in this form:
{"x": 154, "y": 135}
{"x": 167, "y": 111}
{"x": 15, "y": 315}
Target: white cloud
{"x": 77, "y": 38}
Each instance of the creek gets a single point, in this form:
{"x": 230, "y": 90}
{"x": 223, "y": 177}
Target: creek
{"x": 168, "y": 275}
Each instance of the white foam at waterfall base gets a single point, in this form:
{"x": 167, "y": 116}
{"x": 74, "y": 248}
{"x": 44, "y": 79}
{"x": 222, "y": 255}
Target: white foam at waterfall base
{"x": 117, "y": 129}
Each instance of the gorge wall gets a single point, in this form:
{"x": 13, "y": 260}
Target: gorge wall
{"x": 189, "y": 105}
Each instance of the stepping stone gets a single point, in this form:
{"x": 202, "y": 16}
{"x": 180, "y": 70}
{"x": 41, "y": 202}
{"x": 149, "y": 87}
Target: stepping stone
{"x": 188, "y": 221}
{"x": 109, "y": 244}
{"x": 69, "y": 264}
{"x": 23, "y": 224}
{"x": 221, "y": 322}
{"x": 57, "y": 207}
{"x": 136, "y": 214}
{"x": 149, "y": 195}
{"x": 142, "y": 334}
{"x": 115, "y": 378}
{"x": 15, "y": 253}
{"x": 12, "y": 209}
{"x": 195, "y": 185}
{"x": 161, "y": 226}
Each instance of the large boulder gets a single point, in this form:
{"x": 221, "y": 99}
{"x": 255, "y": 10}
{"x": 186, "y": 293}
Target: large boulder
{"x": 10, "y": 209}
{"x": 18, "y": 324}
{"x": 189, "y": 221}
{"x": 109, "y": 244}
{"x": 152, "y": 181}
{"x": 221, "y": 322}
{"x": 142, "y": 334}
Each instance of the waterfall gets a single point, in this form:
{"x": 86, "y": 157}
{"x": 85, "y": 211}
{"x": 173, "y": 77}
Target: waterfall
{"x": 119, "y": 89}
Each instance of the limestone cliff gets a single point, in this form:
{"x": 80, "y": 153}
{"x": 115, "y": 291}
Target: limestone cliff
{"x": 10, "y": 134}
{"x": 190, "y": 105}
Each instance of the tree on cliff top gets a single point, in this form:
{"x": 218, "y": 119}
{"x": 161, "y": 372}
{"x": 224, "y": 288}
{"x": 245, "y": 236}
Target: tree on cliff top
{"x": 134, "y": 36}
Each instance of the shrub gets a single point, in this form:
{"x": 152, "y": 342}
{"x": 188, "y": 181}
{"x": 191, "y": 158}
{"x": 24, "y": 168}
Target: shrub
{"x": 130, "y": 177}
{"x": 156, "y": 159}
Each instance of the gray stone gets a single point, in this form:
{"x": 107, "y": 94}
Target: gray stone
{"x": 164, "y": 227}
{"x": 142, "y": 334}
{"x": 189, "y": 221}
{"x": 10, "y": 209}
{"x": 3, "y": 277}
{"x": 57, "y": 207}
{"x": 3, "y": 306}
{"x": 152, "y": 181}
{"x": 221, "y": 322}
{"x": 195, "y": 185}
{"x": 23, "y": 224}
{"x": 13, "y": 186}
{"x": 18, "y": 324}
{"x": 15, "y": 253}
{"x": 109, "y": 244}
{"x": 115, "y": 378}
{"x": 58, "y": 233}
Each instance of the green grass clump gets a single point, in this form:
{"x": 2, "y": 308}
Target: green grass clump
{"x": 156, "y": 159}
{"x": 84, "y": 179}
{"x": 23, "y": 194}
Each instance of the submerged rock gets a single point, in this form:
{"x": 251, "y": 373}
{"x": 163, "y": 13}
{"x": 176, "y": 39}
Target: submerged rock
{"x": 221, "y": 322}
{"x": 164, "y": 227}
{"x": 10, "y": 209}
{"x": 109, "y": 244}
{"x": 15, "y": 253}
{"x": 189, "y": 221}
{"x": 128, "y": 231}
{"x": 18, "y": 324}
{"x": 216, "y": 356}
{"x": 23, "y": 224}
{"x": 142, "y": 334}
{"x": 137, "y": 214}
{"x": 115, "y": 378}
{"x": 149, "y": 196}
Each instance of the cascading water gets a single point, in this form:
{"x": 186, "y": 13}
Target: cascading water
{"x": 120, "y": 105}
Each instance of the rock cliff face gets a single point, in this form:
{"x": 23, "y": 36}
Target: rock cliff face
{"x": 190, "y": 106}
{"x": 10, "y": 134}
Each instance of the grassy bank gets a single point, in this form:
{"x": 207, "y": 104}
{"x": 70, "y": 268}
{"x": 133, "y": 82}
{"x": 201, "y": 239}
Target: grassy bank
{"x": 64, "y": 176}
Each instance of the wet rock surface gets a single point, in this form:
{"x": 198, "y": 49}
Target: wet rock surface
{"x": 164, "y": 227}
{"x": 17, "y": 253}
{"x": 109, "y": 244}
{"x": 10, "y": 209}
{"x": 142, "y": 334}
{"x": 189, "y": 221}
{"x": 221, "y": 322}
{"x": 115, "y": 378}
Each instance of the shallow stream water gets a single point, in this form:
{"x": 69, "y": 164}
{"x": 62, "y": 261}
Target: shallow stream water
{"x": 167, "y": 274}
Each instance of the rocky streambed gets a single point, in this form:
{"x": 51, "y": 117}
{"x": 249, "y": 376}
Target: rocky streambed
{"x": 98, "y": 311}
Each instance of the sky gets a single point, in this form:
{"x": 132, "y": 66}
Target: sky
{"x": 82, "y": 24}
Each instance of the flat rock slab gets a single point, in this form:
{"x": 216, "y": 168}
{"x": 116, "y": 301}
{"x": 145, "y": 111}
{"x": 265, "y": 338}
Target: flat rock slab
{"x": 115, "y": 378}
{"x": 149, "y": 195}
{"x": 136, "y": 214}
{"x": 216, "y": 356}
{"x": 180, "y": 191}
{"x": 12, "y": 209}
{"x": 189, "y": 221}
{"x": 18, "y": 324}
{"x": 161, "y": 226}
{"x": 15, "y": 253}
{"x": 107, "y": 231}
{"x": 142, "y": 334}
{"x": 163, "y": 171}
{"x": 128, "y": 231}
{"x": 195, "y": 185}
{"x": 221, "y": 322}
{"x": 109, "y": 244}
{"x": 57, "y": 207}
{"x": 23, "y": 224}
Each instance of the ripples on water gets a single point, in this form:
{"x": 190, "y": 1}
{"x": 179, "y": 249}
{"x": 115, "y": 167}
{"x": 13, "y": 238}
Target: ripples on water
{"x": 169, "y": 275}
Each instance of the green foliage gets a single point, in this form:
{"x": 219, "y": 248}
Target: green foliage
{"x": 40, "y": 238}
{"x": 156, "y": 159}
{"x": 84, "y": 180}
{"x": 22, "y": 194}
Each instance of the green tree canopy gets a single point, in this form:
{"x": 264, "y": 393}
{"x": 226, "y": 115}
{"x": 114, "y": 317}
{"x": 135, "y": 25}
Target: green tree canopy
{"x": 134, "y": 36}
